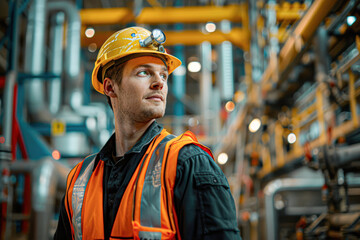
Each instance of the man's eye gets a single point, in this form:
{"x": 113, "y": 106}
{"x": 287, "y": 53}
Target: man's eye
{"x": 164, "y": 76}
{"x": 142, "y": 73}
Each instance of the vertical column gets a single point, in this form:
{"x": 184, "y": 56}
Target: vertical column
{"x": 205, "y": 85}
{"x": 178, "y": 88}
{"x": 225, "y": 73}
{"x": 179, "y": 83}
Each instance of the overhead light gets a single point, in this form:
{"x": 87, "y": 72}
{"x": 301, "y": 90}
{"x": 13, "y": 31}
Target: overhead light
{"x": 222, "y": 158}
{"x": 230, "y": 106}
{"x": 56, "y": 155}
{"x": 92, "y": 47}
{"x": 254, "y": 125}
{"x": 89, "y": 32}
{"x": 194, "y": 66}
{"x": 291, "y": 138}
{"x": 350, "y": 20}
{"x": 210, "y": 27}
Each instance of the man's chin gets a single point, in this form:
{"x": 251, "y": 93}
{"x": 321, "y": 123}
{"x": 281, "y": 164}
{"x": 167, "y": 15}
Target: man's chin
{"x": 149, "y": 115}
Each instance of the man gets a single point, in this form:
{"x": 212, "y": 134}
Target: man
{"x": 144, "y": 183}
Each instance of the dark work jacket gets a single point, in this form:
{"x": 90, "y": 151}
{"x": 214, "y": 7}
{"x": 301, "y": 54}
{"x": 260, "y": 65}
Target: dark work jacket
{"x": 203, "y": 201}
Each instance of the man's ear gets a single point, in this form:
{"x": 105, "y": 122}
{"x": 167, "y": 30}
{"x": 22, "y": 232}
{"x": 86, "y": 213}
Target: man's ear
{"x": 109, "y": 88}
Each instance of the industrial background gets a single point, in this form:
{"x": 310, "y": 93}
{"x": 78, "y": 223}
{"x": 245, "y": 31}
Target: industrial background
{"x": 271, "y": 86}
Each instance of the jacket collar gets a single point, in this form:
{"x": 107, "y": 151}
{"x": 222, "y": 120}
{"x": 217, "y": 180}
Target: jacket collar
{"x": 109, "y": 148}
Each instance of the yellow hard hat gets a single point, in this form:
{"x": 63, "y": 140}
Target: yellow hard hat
{"x": 133, "y": 40}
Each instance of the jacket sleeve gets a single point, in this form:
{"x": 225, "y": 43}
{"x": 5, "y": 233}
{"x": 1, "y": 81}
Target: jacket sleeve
{"x": 203, "y": 202}
{"x": 63, "y": 231}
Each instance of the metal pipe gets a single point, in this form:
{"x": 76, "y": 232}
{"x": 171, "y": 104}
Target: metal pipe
{"x": 35, "y": 61}
{"x": 286, "y": 184}
{"x": 225, "y": 73}
{"x": 6, "y": 189}
{"x": 56, "y": 60}
{"x": 43, "y": 197}
{"x": 322, "y": 63}
{"x": 48, "y": 176}
{"x": 343, "y": 219}
{"x": 11, "y": 76}
{"x": 344, "y": 155}
{"x": 8, "y": 107}
{"x": 73, "y": 87}
{"x": 61, "y": 170}
{"x": 353, "y": 104}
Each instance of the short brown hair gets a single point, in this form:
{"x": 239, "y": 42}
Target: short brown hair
{"x": 114, "y": 73}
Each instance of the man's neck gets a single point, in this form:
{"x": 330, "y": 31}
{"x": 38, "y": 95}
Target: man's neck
{"x": 127, "y": 135}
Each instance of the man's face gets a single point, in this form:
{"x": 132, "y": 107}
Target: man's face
{"x": 141, "y": 95}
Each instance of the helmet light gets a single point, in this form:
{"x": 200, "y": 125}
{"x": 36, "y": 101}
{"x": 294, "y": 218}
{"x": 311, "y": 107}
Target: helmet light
{"x": 156, "y": 38}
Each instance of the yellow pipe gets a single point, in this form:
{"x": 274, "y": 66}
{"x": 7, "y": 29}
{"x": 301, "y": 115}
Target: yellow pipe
{"x": 236, "y": 36}
{"x": 304, "y": 114}
{"x": 288, "y": 15}
{"x": 279, "y": 150}
{"x": 194, "y": 14}
{"x": 163, "y": 15}
{"x": 304, "y": 30}
{"x": 296, "y": 130}
{"x": 302, "y": 33}
{"x": 320, "y": 113}
{"x": 266, "y": 159}
{"x": 105, "y": 16}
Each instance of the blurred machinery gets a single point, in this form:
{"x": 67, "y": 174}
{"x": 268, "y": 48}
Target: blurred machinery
{"x": 298, "y": 153}
{"x": 272, "y": 86}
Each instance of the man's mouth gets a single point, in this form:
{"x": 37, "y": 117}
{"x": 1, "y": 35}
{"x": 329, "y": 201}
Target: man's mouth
{"x": 156, "y": 97}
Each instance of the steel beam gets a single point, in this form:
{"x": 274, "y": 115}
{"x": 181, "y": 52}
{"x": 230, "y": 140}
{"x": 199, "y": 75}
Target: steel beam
{"x": 171, "y": 15}
{"x": 193, "y": 14}
{"x": 164, "y": 15}
{"x": 105, "y": 16}
{"x": 237, "y": 36}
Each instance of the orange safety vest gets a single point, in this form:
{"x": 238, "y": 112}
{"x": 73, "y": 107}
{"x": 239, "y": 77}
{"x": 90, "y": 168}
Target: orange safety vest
{"x": 146, "y": 210}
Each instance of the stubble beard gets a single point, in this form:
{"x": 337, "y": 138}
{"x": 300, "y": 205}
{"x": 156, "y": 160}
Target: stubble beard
{"x": 142, "y": 115}
{"x": 152, "y": 113}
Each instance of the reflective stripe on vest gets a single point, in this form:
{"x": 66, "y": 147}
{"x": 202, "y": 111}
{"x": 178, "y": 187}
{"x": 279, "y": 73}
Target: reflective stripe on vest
{"x": 79, "y": 192}
{"x": 151, "y": 193}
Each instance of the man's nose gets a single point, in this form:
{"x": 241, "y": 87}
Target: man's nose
{"x": 157, "y": 82}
